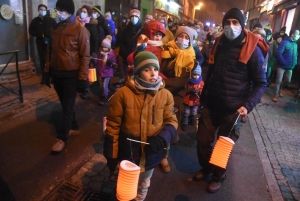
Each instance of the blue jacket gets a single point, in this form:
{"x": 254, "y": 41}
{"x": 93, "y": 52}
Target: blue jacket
{"x": 286, "y": 54}
{"x": 233, "y": 84}
{"x": 110, "y": 24}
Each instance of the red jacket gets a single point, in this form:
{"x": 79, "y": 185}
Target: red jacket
{"x": 192, "y": 97}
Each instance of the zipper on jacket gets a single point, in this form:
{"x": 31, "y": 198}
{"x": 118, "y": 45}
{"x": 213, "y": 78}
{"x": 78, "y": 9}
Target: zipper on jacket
{"x": 153, "y": 113}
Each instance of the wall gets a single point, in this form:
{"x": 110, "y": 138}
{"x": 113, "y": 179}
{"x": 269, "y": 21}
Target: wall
{"x": 145, "y": 8}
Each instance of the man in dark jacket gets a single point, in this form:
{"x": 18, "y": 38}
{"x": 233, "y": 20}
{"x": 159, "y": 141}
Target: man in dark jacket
{"x": 40, "y": 27}
{"x": 234, "y": 85}
{"x": 69, "y": 64}
{"x": 286, "y": 56}
{"x": 100, "y": 20}
{"x": 128, "y": 37}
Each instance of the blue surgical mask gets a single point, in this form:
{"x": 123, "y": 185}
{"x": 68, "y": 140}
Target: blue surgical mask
{"x": 232, "y": 32}
{"x": 134, "y": 20}
{"x": 182, "y": 43}
{"x": 42, "y": 13}
{"x": 61, "y": 16}
{"x": 83, "y": 15}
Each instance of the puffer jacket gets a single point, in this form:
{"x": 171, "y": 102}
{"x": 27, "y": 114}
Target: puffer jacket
{"x": 139, "y": 115}
{"x": 233, "y": 83}
{"x": 106, "y": 70}
{"x": 70, "y": 48}
{"x": 286, "y": 54}
{"x": 40, "y": 27}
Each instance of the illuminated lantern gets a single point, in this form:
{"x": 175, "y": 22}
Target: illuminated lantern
{"x": 127, "y": 181}
{"x": 221, "y": 152}
{"x": 92, "y": 75}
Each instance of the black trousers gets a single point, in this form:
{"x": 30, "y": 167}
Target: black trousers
{"x": 66, "y": 89}
{"x": 209, "y": 123}
{"x": 42, "y": 51}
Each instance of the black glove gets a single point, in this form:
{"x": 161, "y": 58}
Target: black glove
{"x": 156, "y": 144}
{"x": 47, "y": 79}
{"x": 81, "y": 86}
{"x": 109, "y": 62}
{"x": 112, "y": 164}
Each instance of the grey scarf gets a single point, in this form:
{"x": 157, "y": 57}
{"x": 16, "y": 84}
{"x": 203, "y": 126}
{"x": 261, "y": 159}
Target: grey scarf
{"x": 144, "y": 85}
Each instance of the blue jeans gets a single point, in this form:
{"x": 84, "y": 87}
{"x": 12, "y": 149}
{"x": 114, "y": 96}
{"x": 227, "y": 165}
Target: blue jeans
{"x": 105, "y": 83}
{"x": 283, "y": 77}
{"x": 143, "y": 185}
{"x": 189, "y": 110}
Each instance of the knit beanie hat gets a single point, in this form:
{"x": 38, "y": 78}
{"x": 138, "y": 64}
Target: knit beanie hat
{"x": 143, "y": 60}
{"x": 283, "y": 29}
{"x": 135, "y": 12}
{"x": 234, "y": 13}
{"x": 108, "y": 14}
{"x": 97, "y": 9}
{"x": 260, "y": 31}
{"x": 184, "y": 29}
{"x": 197, "y": 70}
{"x": 106, "y": 42}
{"x": 258, "y": 25}
{"x": 66, "y": 5}
{"x": 42, "y": 5}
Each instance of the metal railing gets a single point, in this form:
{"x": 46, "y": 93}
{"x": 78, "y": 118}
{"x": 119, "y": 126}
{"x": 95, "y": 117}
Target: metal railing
{"x": 20, "y": 94}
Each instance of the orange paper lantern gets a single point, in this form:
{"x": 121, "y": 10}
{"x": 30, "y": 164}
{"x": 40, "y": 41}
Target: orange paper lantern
{"x": 127, "y": 181}
{"x": 221, "y": 152}
{"x": 92, "y": 75}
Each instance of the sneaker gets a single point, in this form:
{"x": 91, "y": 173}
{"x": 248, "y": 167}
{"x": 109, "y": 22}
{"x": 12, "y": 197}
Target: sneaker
{"x": 274, "y": 99}
{"x": 280, "y": 94}
{"x": 184, "y": 127}
{"x": 164, "y": 164}
{"x": 58, "y": 146}
{"x": 85, "y": 95}
{"x": 103, "y": 100}
{"x": 214, "y": 187}
{"x": 74, "y": 132}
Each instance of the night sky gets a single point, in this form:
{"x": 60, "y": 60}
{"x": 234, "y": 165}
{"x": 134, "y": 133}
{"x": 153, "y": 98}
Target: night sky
{"x": 227, "y": 4}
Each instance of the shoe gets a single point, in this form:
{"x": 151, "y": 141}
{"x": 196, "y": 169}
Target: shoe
{"x": 213, "y": 187}
{"x": 103, "y": 100}
{"x": 58, "y": 146}
{"x": 280, "y": 94}
{"x": 274, "y": 99}
{"x": 199, "y": 176}
{"x": 164, "y": 164}
{"x": 184, "y": 127}
{"x": 85, "y": 95}
{"x": 74, "y": 132}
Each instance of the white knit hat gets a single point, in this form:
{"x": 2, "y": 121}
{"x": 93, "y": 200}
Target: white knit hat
{"x": 106, "y": 42}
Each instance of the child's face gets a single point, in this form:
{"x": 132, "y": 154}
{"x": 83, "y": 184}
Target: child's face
{"x": 157, "y": 36}
{"x": 196, "y": 76}
{"x": 149, "y": 74}
{"x": 104, "y": 49}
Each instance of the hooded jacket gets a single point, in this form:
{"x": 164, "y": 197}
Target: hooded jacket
{"x": 138, "y": 115}
{"x": 286, "y": 54}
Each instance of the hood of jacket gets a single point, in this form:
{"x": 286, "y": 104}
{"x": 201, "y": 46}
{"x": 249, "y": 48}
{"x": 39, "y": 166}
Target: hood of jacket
{"x": 152, "y": 27}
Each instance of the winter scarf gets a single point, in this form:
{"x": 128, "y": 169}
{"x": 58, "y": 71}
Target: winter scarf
{"x": 182, "y": 58}
{"x": 83, "y": 21}
{"x": 144, "y": 85}
{"x": 251, "y": 41}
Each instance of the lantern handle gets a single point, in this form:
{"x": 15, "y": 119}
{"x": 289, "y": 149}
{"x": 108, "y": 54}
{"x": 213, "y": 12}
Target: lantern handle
{"x": 234, "y": 124}
{"x": 137, "y": 141}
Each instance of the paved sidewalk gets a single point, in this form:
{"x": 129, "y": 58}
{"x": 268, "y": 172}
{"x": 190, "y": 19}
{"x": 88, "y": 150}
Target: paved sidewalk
{"x": 35, "y": 95}
{"x": 276, "y": 128}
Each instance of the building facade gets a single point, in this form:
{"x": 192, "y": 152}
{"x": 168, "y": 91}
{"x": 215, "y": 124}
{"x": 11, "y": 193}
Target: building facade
{"x": 273, "y": 13}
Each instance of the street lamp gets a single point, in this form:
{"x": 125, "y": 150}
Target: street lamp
{"x": 197, "y": 8}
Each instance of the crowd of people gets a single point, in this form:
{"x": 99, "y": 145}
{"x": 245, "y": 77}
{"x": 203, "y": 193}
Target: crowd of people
{"x": 164, "y": 68}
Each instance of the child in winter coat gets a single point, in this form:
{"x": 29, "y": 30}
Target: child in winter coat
{"x": 141, "y": 110}
{"x": 192, "y": 98}
{"x": 105, "y": 64}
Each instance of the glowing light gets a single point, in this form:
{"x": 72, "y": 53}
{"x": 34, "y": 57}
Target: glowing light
{"x": 208, "y": 23}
